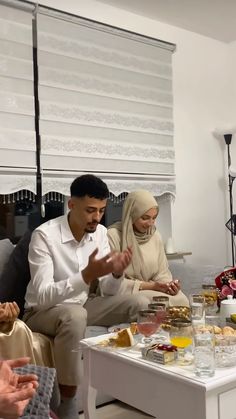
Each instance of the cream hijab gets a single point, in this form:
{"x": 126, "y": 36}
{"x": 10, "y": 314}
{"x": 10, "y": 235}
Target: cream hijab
{"x": 135, "y": 205}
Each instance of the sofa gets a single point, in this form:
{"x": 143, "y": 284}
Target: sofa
{"x": 191, "y": 277}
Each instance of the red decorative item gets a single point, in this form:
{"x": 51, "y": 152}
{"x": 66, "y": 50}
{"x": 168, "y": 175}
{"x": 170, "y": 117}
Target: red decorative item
{"x": 226, "y": 283}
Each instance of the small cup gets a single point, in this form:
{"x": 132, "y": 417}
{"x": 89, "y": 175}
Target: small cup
{"x": 161, "y": 299}
{"x": 157, "y": 306}
{"x": 197, "y": 304}
{"x": 210, "y": 293}
{"x": 204, "y": 350}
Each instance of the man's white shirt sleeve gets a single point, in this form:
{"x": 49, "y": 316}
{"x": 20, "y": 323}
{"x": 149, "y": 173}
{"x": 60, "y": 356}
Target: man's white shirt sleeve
{"x": 50, "y": 292}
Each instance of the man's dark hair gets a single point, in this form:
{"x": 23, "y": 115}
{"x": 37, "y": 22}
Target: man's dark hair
{"x": 89, "y": 185}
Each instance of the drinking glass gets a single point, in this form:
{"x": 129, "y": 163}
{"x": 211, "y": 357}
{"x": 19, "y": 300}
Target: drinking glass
{"x": 210, "y": 293}
{"x": 161, "y": 312}
{"x": 161, "y": 299}
{"x": 147, "y": 324}
{"x": 204, "y": 350}
{"x": 197, "y": 305}
{"x": 181, "y": 337}
{"x": 180, "y": 312}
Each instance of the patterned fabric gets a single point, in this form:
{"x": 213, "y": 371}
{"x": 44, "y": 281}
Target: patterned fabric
{"x": 39, "y": 406}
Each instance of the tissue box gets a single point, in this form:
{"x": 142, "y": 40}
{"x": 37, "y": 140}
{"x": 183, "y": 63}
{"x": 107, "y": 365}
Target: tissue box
{"x": 162, "y": 354}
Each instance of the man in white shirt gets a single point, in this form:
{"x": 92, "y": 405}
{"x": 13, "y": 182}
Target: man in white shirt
{"x": 66, "y": 256}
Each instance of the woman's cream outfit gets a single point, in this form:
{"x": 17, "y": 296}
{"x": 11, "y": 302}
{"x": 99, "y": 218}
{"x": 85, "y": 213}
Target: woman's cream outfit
{"x": 19, "y": 341}
{"x": 149, "y": 262}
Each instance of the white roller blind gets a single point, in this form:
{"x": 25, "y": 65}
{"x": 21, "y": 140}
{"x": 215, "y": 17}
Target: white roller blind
{"x": 17, "y": 132}
{"x": 105, "y": 104}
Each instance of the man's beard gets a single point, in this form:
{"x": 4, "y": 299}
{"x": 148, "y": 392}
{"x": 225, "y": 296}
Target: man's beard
{"x": 91, "y": 228}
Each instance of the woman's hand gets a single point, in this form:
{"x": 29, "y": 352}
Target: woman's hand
{"x": 161, "y": 287}
{"x": 169, "y": 288}
{"x": 173, "y": 287}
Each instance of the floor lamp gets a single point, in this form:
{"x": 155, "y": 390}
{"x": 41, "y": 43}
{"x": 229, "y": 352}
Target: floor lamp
{"x": 231, "y": 224}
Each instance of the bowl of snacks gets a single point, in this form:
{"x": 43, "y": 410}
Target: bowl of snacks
{"x": 180, "y": 312}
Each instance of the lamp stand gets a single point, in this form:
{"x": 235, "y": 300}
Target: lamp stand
{"x": 228, "y": 138}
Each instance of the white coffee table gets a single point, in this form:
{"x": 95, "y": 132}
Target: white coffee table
{"x": 166, "y": 392}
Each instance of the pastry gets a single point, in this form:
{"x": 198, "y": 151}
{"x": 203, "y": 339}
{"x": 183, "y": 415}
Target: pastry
{"x": 203, "y": 328}
{"x": 123, "y": 339}
{"x": 217, "y": 330}
{"x": 228, "y": 331}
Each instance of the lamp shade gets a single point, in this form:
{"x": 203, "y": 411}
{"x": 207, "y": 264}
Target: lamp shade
{"x": 228, "y": 138}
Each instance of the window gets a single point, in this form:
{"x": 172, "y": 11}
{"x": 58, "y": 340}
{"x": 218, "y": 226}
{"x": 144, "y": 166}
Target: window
{"x": 105, "y": 106}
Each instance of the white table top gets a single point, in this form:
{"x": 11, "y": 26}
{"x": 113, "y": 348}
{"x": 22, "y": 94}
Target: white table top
{"x": 133, "y": 355}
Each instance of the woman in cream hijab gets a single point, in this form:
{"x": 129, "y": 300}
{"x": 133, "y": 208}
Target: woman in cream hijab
{"x": 148, "y": 271}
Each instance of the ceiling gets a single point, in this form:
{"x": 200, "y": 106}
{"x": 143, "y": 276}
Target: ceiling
{"x": 213, "y": 18}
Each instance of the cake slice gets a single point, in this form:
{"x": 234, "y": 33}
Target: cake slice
{"x": 122, "y": 339}
{"x": 134, "y": 328}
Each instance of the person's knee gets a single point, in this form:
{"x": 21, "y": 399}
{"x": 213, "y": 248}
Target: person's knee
{"x": 179, "y": 299}
{"x": 184, "y": 300}
{"x": 73, "y": 317}
{"x": 139, "y": 302}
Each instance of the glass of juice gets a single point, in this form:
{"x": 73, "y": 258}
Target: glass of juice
{"x": 181, "y": 335}
{"x": 147, "y": 324}
{"x": 161, "y": 312}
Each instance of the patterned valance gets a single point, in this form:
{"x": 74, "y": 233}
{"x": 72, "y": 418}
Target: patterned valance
{"x": 60, "y": 183}
{"x": 16, "y": 180}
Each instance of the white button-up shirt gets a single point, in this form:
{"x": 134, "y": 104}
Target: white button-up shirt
{"x": 56, "y": 260}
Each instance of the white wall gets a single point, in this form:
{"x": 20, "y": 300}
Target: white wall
{"x": 203, "y": 100}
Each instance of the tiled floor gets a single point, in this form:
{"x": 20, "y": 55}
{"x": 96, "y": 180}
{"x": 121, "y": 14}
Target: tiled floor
{"x": 118, "y": 410}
